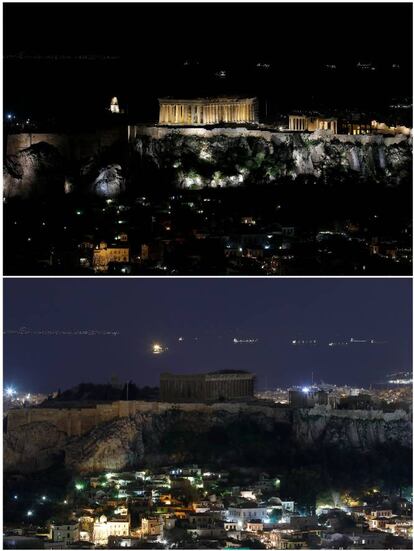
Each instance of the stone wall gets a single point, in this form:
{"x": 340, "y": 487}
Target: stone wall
{"x": 160, "y": 132}
{"x": 70, "y": 146}
{"x": 79, "y": 421}
{"x": 81, "y": 145}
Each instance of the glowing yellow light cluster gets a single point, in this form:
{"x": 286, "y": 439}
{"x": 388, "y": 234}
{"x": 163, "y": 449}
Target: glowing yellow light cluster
{"x": 158, "y": 348}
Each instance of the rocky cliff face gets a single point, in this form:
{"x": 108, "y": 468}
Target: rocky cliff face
{"x": 175, "y": 437}
{"x": 351, "y": 429}
{"x": 37, "y": 170}
{"x": 109, "y": 182}
{"x": 217, "y": 159}
{"x": 34, "y": 447}
{"x": 222, "y": 161}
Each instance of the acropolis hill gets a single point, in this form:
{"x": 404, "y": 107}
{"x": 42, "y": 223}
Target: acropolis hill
{"x": 121, "y": 159}
{"x": 116, "y": 435}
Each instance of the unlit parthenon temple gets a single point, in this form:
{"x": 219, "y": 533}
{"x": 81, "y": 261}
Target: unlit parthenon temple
{"x": 204, "y": 111}
{"x": 215, "y": 386}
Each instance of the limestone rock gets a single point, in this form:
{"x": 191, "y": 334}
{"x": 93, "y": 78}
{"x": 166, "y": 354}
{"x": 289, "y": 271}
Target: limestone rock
{"x": 177, "y": 436}
{"x": 109, "y": 182}
{"x": 108, "y": 447}
{"x": 37, "y": 170}
{"x": 197, "y": 158}
{"x": 34, "y": 447}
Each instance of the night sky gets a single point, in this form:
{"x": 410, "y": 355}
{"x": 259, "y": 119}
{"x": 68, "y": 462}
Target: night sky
{"x": 215, "y": 311}
{"x": 150, "y": 50}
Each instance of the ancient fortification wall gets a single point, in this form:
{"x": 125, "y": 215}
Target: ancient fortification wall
{"x": 78, "y": 421}
{"x": 161, "y": 132}
{"x": 70, "y": 146}
{"x": 81, "y": 145}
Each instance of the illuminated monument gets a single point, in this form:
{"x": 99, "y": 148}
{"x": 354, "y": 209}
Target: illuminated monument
{"x": 214, "y": 386}
{"x": 114, "y": 107}
{"x": 206, "y": 111}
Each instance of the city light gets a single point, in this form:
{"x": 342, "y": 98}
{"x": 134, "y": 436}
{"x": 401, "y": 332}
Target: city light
{"x": 305, "y": 389}
{"x": 10, "y": 391}
{"x": 29, "y": 513}
{"x": 158, "y": 348}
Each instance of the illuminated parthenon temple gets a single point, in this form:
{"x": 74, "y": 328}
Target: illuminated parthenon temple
{"x": 205, "y": 111}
